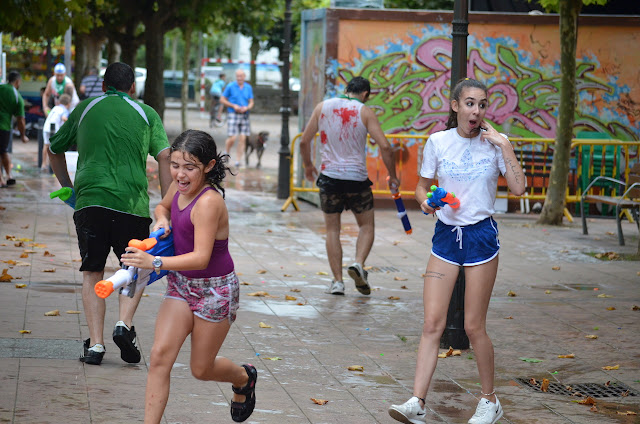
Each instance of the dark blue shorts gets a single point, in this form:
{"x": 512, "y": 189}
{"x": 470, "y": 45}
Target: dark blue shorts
{"x": 467, "y": 246}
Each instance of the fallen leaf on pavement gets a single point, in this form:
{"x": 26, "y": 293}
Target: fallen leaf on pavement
{"x": 509, "y": 317}
{"x": 394, "y": 298}
{"x": 258, "y": 294}
{"x": 54, "y": 313}
{"x": 571, "y": 355}
{"x": 555, "y": 268}
{"x": 47, "y": 253}
{"x": 24, "y": 255}
{"x": 588, "y": 401}
{"x": 263, "y": 325}
{"x": 49, "y": 270}
{"x": 611, "y": 367}
{"x": 274, "y": 358}
{"x": 447, "y": 353}
{"x": 511, "y": 294}
{"x": 319, "y": 401}
{"x": 244, "y": 283}
{"x": 635, "y": 308}
{"x": 547, "y": 292}
{"x": 25, "y": 331}
{"x": 10, "y": 262}
{"x": 593, "y": 409}
{"x": 322, "y": 273}
{"x": 73, "y": 312}
{"x": 591, "y": 336}
{"x": 295, "y": 290}
{"x": 356, "y": 368}
{"x": 545, "y": 385}
{"x": 626, "y": 413}
{"x": 287, "y": 297}
{"x": 604, "y": 295}
{"x": 286, "y": 275}
{"x": 20, "y": 285}
{"x": 400, "y": 279}
{"x": 531, "y": 360}
{"x": 404, "y": 287}
{"x": 261, "y": 271}
{"x": 611, "y": 308}
{"x": 4, "y": 277}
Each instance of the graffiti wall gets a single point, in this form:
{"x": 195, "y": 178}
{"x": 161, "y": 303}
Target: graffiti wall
{"x": 408, "y": 62}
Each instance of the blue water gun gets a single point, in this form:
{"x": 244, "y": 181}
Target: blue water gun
{"x": 439, "y": 197}
{"x": 132, "y": 278}
{"x": 402, "y": 212}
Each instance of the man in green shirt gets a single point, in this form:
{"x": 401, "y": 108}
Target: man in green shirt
{"x": 11, "y": 104}
{"x": 114, "y": 135}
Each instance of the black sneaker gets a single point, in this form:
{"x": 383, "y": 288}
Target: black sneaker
{"x": 127, "y": 342}
{"x": 92, "y": 354}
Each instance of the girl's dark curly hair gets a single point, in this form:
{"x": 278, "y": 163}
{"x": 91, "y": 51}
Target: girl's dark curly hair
{"x": 201, "y": 145}
{"x": 455, "y": 95}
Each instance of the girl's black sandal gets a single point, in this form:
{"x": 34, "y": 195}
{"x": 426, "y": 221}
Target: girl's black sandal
{"x": 240, "y": 411}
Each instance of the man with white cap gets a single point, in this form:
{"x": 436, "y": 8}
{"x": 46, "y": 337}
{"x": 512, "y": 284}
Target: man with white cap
{"x": 58, "y": 84}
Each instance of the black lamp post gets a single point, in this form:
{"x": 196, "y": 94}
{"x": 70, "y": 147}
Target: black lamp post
{"x": 454, "y": 334}
{"x": 285, "y": 155}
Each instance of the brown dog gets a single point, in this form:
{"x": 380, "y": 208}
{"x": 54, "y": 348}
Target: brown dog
{"x": 255, "y": 142}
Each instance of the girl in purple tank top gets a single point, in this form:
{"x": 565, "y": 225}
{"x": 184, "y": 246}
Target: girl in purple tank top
{"x": 203, "y": 290}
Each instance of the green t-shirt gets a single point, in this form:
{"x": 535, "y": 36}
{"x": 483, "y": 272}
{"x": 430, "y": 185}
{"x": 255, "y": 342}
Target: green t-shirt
{"x": 114, "y": 135}
{"x": 11, "y": 104}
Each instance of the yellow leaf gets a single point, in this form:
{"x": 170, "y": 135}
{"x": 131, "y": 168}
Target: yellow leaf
{"x": 319, "y": 401}
{"x": 5, "y": 278}
{"x": 274, "y": 358}
{"x": 571, "y": 355}
{"x": 262, "y": 271}
{"x": 626, "y": 413}
{"x": 547, "y": 292}
{"x": 322, "y": 273}
{"x": 545, "y": 385}
{"x": 555, "y": 268}
{"x": 400, "y": 279}
{"x": 286, "y": 275}
{"x": 611, "y": 308}
{"x": 73, "y": 312}
{"x": 611, "y": 367}
{"x": 49, "y": 270}
{"x": 511, "y": 294}
{"x": 54, "y": 313}
{"x": 263, "y": 325}
{"x": 47, "y": 253}
{"x": 287, "y": 297}
{"x": 10, "y": 262}
{"x": 456, "y": 353}
{"x": 588, "y": 401}
{"x": 591, "y": 336}
{"x": 447, "y": 353}
{"x": 25, "y": 331}
{"x": 604, "y": 295}
{"x": 24, "y": 255}
{"x": 258, "y": 294}
{"x": 395, "y": 242}
{"x": 355, "y": 368}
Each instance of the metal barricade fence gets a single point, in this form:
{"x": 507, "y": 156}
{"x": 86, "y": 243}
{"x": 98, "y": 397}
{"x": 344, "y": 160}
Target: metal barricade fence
{"x": 535, "y": 156}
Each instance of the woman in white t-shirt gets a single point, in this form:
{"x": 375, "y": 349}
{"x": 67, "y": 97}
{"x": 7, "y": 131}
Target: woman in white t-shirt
{"x": 465, "y": 159}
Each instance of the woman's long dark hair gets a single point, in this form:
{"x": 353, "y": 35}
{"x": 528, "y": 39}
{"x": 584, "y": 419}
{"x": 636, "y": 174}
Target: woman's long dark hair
{"x": 452, "y": 122}
{"x": 201, "y": 145}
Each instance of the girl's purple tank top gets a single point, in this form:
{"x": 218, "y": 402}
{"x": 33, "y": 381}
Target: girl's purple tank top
{"x": 183, "y": 234}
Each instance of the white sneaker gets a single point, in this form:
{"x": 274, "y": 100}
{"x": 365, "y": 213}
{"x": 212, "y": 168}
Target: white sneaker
{"x": 409, "y": 412}
{"x": 487, "y": 412}
{"x": 337, "y": 287}
{"x": 360, "y": 277}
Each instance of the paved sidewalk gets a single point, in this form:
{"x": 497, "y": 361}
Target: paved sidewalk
{"x": 562, "y": 295}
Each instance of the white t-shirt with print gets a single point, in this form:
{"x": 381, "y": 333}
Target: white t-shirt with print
{"x": 467, "y": 167}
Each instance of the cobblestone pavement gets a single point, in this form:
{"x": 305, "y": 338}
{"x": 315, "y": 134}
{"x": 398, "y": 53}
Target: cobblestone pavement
{"x": 562, "y": 295}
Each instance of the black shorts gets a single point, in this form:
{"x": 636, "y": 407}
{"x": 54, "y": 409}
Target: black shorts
{"x": 5, "y": 141}
{"x": 337, "y": 195}
{"x": 101, "y": 229}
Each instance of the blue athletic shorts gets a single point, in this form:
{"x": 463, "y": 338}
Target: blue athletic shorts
{"x": 467, "y": 246}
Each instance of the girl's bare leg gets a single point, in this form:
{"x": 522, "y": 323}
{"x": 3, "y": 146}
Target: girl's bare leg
{"x": 439, "y": 281}
{"x": 479, "y": 281}
{"x": 206, "y": 339}
{"x": 173, "y": 325}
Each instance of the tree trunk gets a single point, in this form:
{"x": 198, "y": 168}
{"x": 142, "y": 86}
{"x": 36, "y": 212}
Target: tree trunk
{"x": 88, "y": 49}
{"x": 187, "y": 29}
{"x": 554, "y": 204}
{"x": 154, "y": 88}
{"x": 255, "y": 49}
{"x": 114, "y": 52}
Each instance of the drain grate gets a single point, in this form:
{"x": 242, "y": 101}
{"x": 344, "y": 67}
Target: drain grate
{"x": 382, "y": 269}
{"x": 581, "y": 389}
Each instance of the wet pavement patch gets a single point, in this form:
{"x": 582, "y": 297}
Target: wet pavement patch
{"x": 584, "y": 389}
{"x": 40, "y": 348}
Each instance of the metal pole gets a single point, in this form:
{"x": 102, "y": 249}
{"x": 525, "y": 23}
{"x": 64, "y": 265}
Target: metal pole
{"x": 284, "y": 152}
{"x": 454, "y": 334}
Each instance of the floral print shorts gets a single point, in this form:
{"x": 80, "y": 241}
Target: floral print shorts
{"x": 212, "y": 299}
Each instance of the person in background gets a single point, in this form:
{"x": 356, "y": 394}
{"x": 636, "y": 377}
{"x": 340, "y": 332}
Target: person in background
{"x": 343, "y": 123}
{"x": 58, "y": 84}
{"x": 114, "y": 135}
{"x": 217, "y": 87}
{"x": 91, "y": 85}
{"x": 467, "y": 158}
{"x": 57, "y": 116}
{"x": 238, "y": 97}
{"x": 11, "y": 104}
